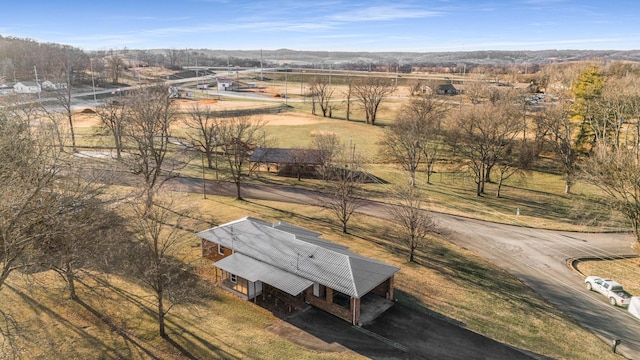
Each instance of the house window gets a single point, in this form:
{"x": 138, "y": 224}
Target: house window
{"x": 233, "y": 278}
{"x": 220, "y": 249}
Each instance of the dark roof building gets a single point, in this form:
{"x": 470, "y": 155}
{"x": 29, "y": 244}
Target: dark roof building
{"x": 287, "y": 156}
{"x": 288, "y": 161}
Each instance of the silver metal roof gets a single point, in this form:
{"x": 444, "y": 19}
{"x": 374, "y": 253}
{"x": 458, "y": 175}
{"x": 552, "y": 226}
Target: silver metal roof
{"x": 332, "y": 266}
{"x": 254, "y": 270}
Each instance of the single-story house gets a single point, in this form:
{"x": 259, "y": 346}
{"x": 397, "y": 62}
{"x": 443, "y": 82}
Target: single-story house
{"x": 50, "y": 85}
{"x": 27, "y": 87}
{"x": 252, "y": 257}
{"x": 287, "y": 161}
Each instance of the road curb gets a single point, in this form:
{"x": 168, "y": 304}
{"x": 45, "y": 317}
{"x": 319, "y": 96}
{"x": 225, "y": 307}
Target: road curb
{"x": 572, "y": 263}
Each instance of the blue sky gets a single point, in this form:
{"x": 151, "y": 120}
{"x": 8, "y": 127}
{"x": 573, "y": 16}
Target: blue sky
{"x": 332, "y": 25}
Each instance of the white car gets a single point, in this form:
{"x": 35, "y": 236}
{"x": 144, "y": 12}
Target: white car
{"x": 609, "y": 288}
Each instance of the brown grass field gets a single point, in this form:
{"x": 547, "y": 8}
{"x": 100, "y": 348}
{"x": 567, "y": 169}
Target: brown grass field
{"x": 114, "y": 318}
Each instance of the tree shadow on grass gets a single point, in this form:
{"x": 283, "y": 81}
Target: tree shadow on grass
{"x": 95, "y": 341}
{"x": 114, "y": 328}
{"x": 186, "y": 340}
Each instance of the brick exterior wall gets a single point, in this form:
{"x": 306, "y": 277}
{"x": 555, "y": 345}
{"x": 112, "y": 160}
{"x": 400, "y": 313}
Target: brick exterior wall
{"x": 327, "y": 305}
{"x": 210, "y": 251}
{"x": 385, "y": 289}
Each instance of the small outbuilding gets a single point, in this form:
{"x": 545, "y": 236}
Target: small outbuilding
{"x": 446, "y": 89}
{"x": 224, "y": 84}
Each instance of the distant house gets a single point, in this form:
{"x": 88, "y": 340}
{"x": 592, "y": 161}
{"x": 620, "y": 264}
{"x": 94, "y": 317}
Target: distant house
{"x": 50, "y": 85}
{"x": 287, "y": 161}
{"x": 27, "y": 87}
{"x": 446, "y": 89}
{"x": 6, "y": 88}
{"x": 224, "y": 84}
{"x": 292, "y": 264}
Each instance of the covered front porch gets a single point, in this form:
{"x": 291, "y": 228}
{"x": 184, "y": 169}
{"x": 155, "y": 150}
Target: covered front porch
{"x": 247, "y": 277}
{"x": 357, "y": 311}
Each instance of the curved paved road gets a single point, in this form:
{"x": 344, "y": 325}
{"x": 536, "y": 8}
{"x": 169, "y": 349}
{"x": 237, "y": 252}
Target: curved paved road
{"x": 537, "y": 257}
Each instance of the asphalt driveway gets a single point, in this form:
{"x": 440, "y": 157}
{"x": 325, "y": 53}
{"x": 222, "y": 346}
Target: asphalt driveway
{"x": 536, "y": 257}
{"x": 399, "y": 333}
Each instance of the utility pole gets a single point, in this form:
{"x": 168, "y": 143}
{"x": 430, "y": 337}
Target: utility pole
{"x": 397, "y": 75}
{"x": 35, "y": 69}
{"x": 204, "y": 183}
{"x": 261, "y": 77}
{"x": 93, "y": 83}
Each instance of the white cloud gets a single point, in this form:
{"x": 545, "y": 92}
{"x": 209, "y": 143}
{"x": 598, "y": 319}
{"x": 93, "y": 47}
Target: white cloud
{"x": 383, "y": 13}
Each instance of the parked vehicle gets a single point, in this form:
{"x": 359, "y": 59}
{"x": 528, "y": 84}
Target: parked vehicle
{"x": 612, "y": 290}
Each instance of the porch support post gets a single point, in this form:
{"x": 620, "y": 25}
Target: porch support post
{"x": 355, "y": 310}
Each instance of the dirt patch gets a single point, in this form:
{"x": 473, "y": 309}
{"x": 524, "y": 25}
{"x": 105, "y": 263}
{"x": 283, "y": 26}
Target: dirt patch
{"x": 85, "y": 119}
{"x": 88, "y": 118}
{"x": 292, "y": 118}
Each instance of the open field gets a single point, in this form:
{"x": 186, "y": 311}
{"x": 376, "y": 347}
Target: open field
{"x": 539, "y": 195}
{"x": 448, "y": 281}
{"x": 118, "y": 322}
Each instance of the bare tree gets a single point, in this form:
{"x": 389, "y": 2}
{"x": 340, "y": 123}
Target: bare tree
{"x": 27, "y": 111}
{"x": 370, "y": 91}
{"x": 414, "y": 222}
{"x": 301, "y": 160}
{"x": 150, "y": 116}
{"x": 348, "y": 95}
{"x": 515, "y": 160}
{"x": 413, "y": 137}
{"x": 616, "y": 171}
{"x": 415, "y": 87}
{"x": 174, "y": 56}
{"x": 329, "y": 147}
{"x": 481, "y": 135}
{"x": 614, "y": 108}
{"x": 402, "y": 142}
{"x": 62, "y": 92}
{"x": 116, "y": 65}
{"x": 206, "y": 126}
{"x": 238, "y": 136}
{"x": 54, "y": 121}
{"x": 321, "y": 92}
{"x": 561, "y": 130}
{"x": 477, "y": 88}
{"x": 344, "y": 188}
{"x": 113, "y": 116}
{"x": 28, "y": 172}
{"x": 83, "y": 228}
{"x": 157, "y": 263}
